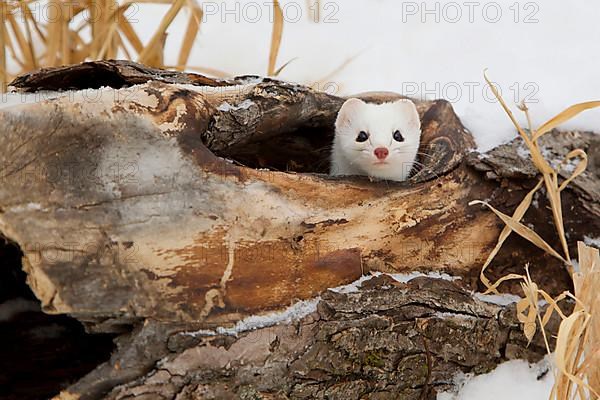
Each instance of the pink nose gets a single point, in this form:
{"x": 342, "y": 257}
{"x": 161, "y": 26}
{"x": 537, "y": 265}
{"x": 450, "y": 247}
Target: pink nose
{"x": 381, "y": 153}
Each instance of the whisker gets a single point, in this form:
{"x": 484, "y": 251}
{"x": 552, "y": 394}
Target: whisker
{"x": 424, "y": 154}
{"x": 425, "y": 168}
{"x": 427, "y": 156}
{"x": 418, "y": 153}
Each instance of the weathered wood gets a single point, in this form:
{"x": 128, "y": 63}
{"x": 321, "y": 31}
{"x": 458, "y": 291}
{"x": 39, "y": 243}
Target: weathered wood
{"x": 117, "y": 184}
{"x": 220, "y": 217}
{"x": 129, "y": 213}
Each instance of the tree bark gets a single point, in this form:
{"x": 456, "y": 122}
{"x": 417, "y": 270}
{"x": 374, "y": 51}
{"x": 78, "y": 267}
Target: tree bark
{"x": 130, "y": 212}
{"x": 388, "y": 340}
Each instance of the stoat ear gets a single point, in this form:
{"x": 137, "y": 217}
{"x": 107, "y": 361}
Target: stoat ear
{"x": 409, "y": 111}
{"x": 349, "y": 109}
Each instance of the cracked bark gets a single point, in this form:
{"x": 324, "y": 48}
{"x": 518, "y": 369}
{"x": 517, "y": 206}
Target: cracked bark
{"x": 387, "y": 340}
{"x": 128, "y": 214}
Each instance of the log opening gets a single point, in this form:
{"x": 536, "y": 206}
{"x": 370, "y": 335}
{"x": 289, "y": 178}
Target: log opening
{"x": 40, "y": 354}
{"x": 304, "y": 146}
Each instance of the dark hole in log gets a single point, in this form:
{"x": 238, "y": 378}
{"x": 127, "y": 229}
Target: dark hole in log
{"x": 304, "y": 146}
{"x": 306, "y": 150}
{"x": 40, "y": 354}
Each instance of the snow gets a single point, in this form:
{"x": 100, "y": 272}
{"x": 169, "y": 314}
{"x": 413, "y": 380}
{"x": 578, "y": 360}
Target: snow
{"x": 402, "y": 278}
{"x": 498, "y": 299}
{"x": 594, "y": 242}
{"x": 293, "y": 313}
{"x": 514, "y": 380}
{"x": 244, "y": 105}
{"x": 523, "y": 152}
{"x": 27, "y": 207}
{"x": 354, "y": 286}
{"x": 535, "y": 51}
{"x": 412, "y": 275}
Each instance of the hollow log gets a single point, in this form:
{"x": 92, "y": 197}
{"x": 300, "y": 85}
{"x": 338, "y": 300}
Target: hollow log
{"x": 172, "y": 202}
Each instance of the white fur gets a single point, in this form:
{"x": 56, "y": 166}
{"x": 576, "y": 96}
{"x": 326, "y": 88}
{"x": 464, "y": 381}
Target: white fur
{"x": 350, "y": 157}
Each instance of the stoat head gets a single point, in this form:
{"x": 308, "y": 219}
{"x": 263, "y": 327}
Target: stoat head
{"x": 382, "y": 140}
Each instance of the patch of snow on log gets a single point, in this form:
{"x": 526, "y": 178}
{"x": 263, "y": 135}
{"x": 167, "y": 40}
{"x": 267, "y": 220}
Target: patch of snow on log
{"x": 498, "y": 299}
{"x": 594, "y": 242}
{"x": 404, "y": 278}
{"x": 293, "y": 313}
{"x": 244, "y": 105}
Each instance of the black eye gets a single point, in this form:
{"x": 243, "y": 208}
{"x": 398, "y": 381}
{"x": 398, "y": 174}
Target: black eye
{"x": 398, "y": 137}
{"x": 362, "y": 137}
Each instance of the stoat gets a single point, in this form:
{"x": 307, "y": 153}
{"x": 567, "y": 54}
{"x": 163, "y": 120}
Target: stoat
{"x": 377, "y": 140}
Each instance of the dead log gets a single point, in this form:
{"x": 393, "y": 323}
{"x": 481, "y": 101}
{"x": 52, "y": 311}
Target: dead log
{"x": 172, "y": 202}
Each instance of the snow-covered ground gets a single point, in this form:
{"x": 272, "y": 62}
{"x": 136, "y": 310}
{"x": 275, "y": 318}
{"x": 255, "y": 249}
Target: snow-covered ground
{"x": 544, "y": 52}
{"x": 514, "y": 380}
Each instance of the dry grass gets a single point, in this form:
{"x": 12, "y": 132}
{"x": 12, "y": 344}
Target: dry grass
{"x": 82, "y": 30}
{"x": 577, "y": 352}
{"x": 275, "y": 38}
